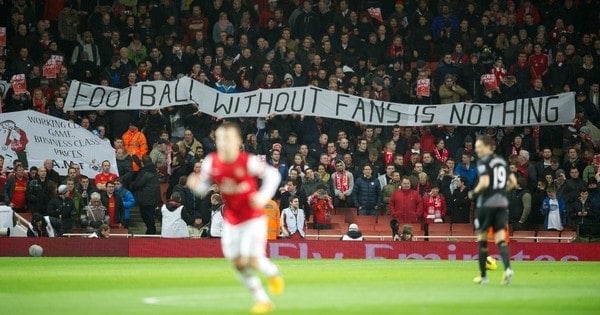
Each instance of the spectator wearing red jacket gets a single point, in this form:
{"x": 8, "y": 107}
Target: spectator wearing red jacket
{"x": 540, "y": 63}
{"x": 527, "y": 8}
{"x": 406, "y": 205}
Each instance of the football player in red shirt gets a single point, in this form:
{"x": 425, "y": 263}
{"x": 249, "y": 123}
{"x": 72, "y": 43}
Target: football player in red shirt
{"x": 244, "y": 235}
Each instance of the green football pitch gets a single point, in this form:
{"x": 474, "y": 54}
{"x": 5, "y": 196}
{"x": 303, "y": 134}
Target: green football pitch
{"x": 115, "y": 286}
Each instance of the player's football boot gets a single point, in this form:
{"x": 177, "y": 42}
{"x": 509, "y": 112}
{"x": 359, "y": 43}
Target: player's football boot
{"x": 508, "y": 273}
{"x": 262, "y": 308}
{"x": 276, "y": 285}
{"x": 480, "y": 280}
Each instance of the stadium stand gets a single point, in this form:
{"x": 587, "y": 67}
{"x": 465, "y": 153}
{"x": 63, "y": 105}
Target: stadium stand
{"x": 246, "y": 57}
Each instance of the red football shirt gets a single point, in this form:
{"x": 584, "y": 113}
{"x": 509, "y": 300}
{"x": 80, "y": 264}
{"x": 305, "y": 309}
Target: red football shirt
{"x": 102, "y": 178}
{"x": 237, "y": 184}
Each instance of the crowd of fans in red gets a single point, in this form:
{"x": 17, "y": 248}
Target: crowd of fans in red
{"x": 533, "y": 48}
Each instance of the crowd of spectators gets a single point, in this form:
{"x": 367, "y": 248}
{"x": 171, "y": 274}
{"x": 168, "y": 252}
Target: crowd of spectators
{"x": 417, "y": 174}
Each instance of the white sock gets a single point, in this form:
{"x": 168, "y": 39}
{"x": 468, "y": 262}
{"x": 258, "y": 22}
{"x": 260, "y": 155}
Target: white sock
{"x": 253, "y": 283}
{"x": 267, "y": 267}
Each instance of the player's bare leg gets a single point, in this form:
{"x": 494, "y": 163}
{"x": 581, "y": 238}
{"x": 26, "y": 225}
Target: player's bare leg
{"x": 276, "y": 284}
{"x": 245, "y": 272}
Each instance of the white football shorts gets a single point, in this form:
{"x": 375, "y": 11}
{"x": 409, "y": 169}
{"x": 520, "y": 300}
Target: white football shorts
{"x": 247, "y": 239}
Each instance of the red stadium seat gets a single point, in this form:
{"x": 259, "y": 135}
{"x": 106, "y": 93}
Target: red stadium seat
{"x": 338, "y": 226}
{"x": 439, "y": 227}
{"x": 332, "y": 234}
{"x": 567, "y": 236}
{"x": 523, "y": 236}
{"x": 384, "y": 219}
{"x": 462, "y": 226}
{"x": 418, "y": 235}
{"x": 312, "y": 234}
{"x": 548, "y": 236}
{"x": 463, "y": 233}
{"x": 338, "y": 218}
{"x": 365, "y": 222}
{"x": 373, "y": 237}
{"x": 349, "y": 213}
{"x": 438, "y": 236}
{"x": 26, "y": 215}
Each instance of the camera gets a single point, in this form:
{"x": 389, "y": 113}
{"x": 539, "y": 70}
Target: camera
{"x": 4, "y": 231}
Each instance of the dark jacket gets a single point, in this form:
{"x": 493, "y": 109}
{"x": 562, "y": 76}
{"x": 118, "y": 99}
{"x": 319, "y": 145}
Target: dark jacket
{"x": 120, "y": 211}
{"x": 125, "y": 168}
{"x": 578, "y": 206}
{"x": 63, "y": 209}
{"x": 188, "y": 200}
{"x": 459, "y": 206}
{"x": 146, "y": 187}
{"x": 38, "y": 195}
{"x": 367, "y": 192}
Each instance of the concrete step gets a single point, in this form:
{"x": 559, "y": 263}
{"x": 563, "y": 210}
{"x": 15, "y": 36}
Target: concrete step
{"x": 136, "y": 224}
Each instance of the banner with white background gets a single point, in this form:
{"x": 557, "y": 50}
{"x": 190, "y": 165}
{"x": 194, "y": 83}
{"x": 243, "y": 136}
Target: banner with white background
{"x": 313, "y": 101}
{"x": 36, "y": 137}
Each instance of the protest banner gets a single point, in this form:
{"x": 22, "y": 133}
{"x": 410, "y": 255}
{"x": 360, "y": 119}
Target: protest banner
{"x": 314, "y": 101}
{"x": 35, "y": 137}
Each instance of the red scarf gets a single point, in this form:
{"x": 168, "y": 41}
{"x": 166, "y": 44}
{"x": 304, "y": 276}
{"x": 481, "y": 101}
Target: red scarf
{"x": 441, "y": 156}
{"x": 341, "y": 181}
{"x": 388, "y": 157}
{"x": 40, "y": 104}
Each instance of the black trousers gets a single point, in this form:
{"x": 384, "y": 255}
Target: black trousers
{"x": 147, "y": 213}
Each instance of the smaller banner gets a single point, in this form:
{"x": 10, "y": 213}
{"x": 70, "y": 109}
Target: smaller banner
{"x": 424, "y": 87}
{"x": 18, "y": 83}
{"x": 489, "y": 82}
{"x": 52, "y": 67}
{"x": 34, "y": 137}
{"x": 376, "y": 14}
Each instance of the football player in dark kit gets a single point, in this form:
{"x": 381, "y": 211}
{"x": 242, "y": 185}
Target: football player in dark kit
{"x": 494, "y": 182}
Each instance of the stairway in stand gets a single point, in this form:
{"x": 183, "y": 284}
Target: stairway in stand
{"x": 136, "y": 224}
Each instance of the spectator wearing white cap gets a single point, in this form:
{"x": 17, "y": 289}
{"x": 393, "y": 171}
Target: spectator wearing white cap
{"x": 353, "y": 234}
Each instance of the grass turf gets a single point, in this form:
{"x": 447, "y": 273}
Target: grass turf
{"x": 117, "y": 286}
